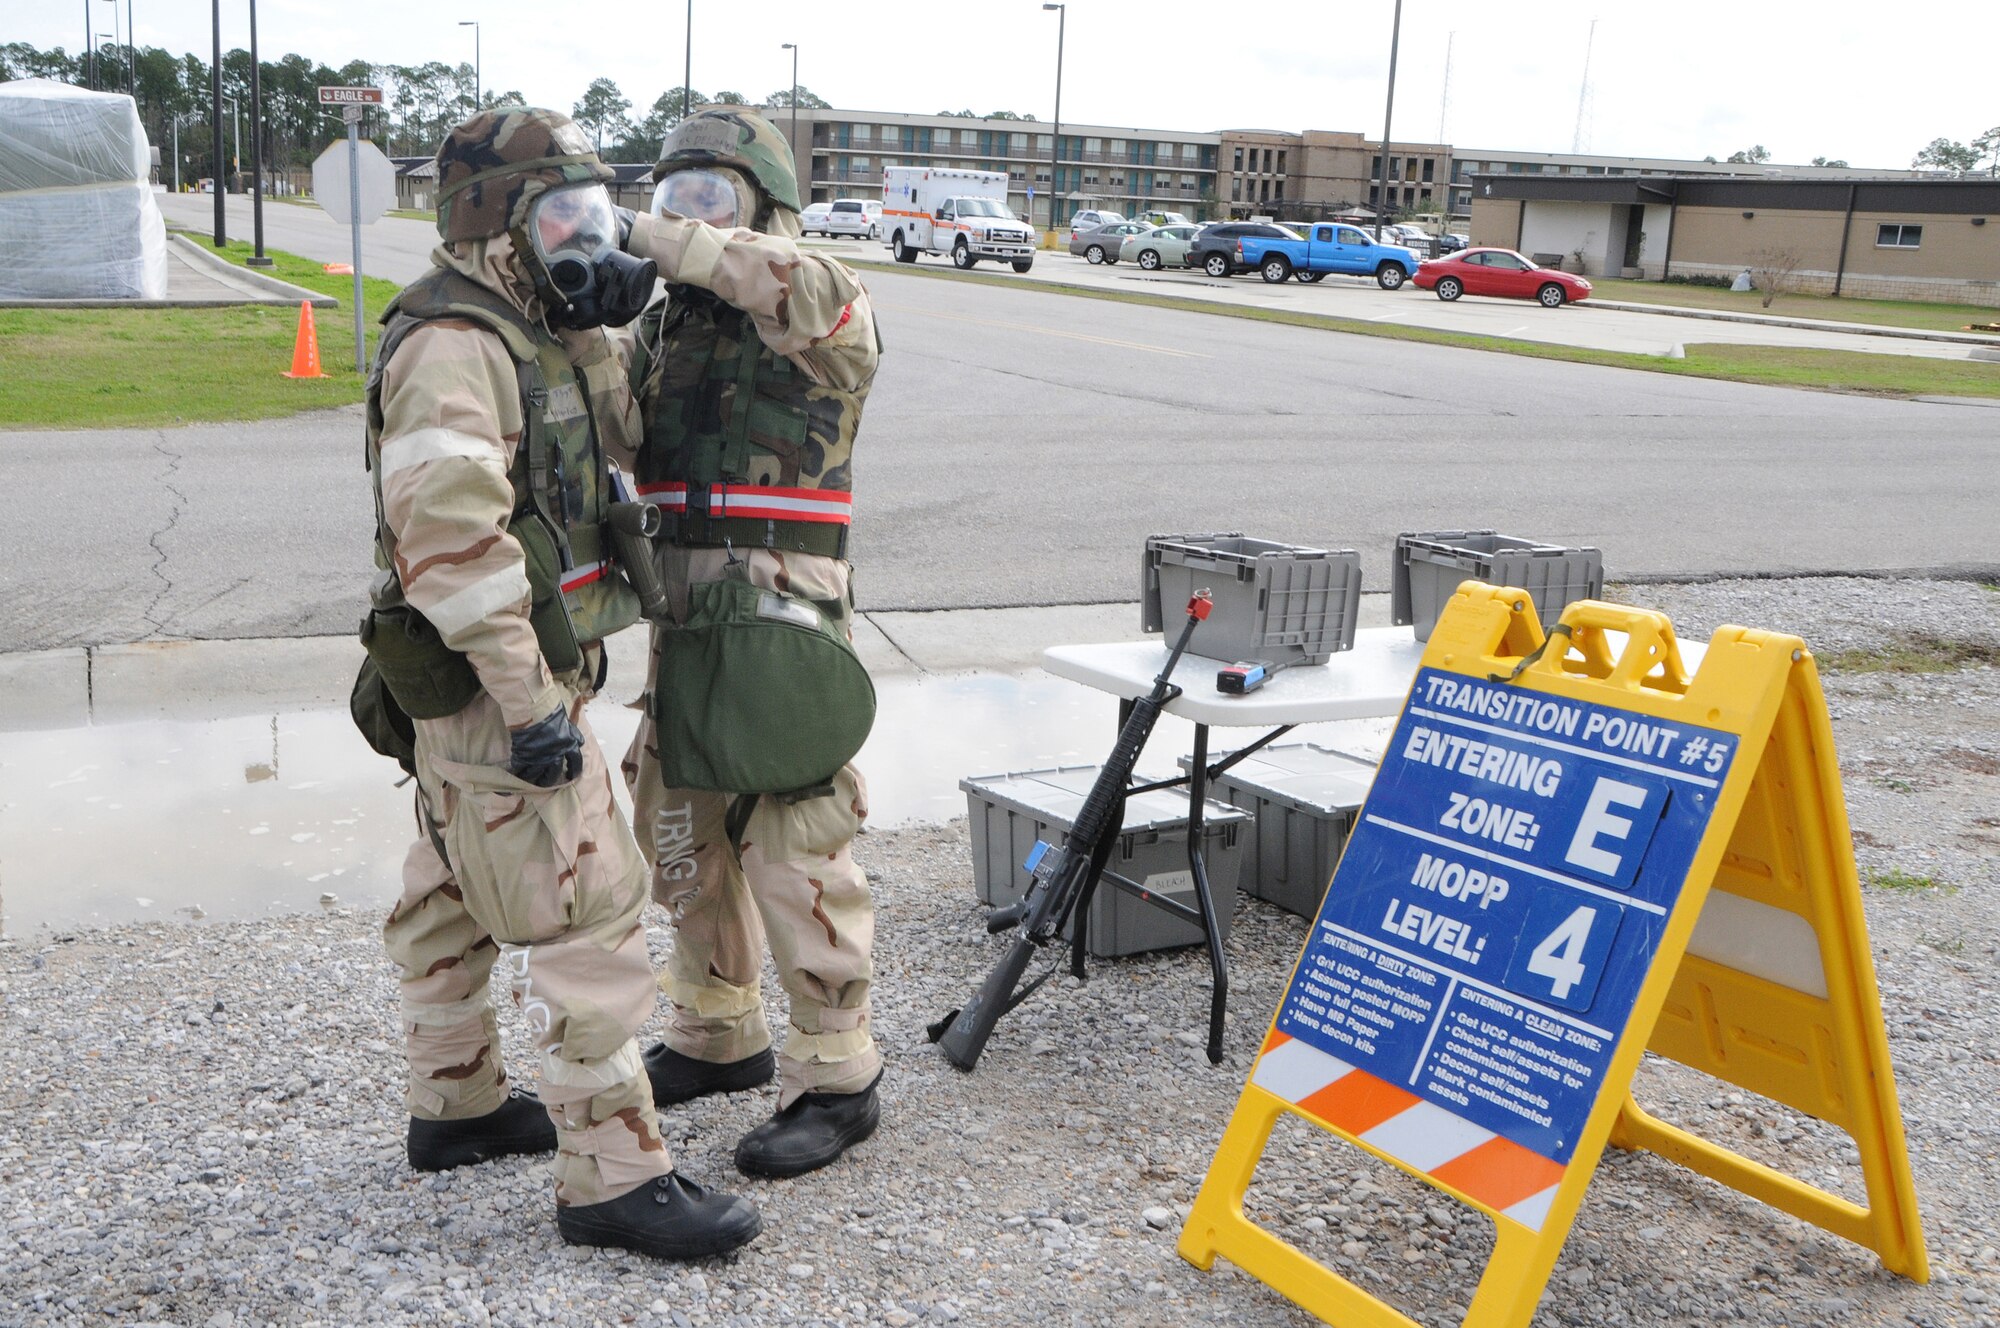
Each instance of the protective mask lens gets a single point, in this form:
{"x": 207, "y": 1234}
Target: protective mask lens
{"x": 571, "y": 228}
{"x": 708, "y": 196}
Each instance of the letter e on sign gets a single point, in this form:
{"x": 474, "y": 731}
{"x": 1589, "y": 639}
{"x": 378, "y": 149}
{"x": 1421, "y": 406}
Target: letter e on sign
{"x": 1614, "y": 828}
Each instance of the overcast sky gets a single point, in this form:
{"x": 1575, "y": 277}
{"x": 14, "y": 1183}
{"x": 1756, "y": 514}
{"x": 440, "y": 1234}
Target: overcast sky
{"x": 1688, "y": 79}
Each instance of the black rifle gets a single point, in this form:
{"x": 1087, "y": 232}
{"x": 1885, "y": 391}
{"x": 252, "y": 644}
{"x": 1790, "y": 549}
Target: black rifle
{"x": 1058, "y": 877}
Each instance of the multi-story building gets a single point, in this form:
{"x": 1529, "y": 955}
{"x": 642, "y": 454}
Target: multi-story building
{"x": 1124, "y": 169}
{"x": 1324, "y": 172}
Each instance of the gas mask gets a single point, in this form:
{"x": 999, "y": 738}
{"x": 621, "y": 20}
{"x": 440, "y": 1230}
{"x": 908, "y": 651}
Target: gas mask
{"x": 583, "y": 278}
{"x": 718, "y": 196}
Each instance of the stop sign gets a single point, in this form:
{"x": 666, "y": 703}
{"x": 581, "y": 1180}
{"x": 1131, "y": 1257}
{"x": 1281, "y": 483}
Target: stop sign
{"x": 378, "y": 183}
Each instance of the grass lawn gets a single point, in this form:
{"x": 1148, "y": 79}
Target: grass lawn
{"x": 1890, "y": 313}
{"x": 110, "y": 368}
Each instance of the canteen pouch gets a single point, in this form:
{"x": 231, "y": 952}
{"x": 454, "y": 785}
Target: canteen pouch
{"x": 757, "y": 692}
{"x": 425, "y": 677}
{"x": 547, "y": 613}
{"x": 381, "y": 720}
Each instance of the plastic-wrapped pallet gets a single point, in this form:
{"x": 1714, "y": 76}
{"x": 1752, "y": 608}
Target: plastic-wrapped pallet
{"x": 77, "y": 216}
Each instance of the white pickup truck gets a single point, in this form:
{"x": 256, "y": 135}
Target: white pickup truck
{"x": 928, "y": 210}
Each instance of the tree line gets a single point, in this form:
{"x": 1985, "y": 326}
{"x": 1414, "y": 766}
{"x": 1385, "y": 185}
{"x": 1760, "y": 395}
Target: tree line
{"x": 421, "y": 103}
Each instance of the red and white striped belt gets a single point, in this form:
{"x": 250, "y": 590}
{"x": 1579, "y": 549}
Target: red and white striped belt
{"x": 760, "y": 502}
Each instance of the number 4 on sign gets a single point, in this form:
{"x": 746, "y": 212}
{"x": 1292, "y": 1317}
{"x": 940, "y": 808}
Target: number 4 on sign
{"x": 1759, "y": 973}
{"x": 1558, "y": 958}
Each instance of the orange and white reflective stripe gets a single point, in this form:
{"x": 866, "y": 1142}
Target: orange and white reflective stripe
{"x": 578, "y": 577}
{"x": 1515, "y": 1182}
{"x": 760, "y": 502}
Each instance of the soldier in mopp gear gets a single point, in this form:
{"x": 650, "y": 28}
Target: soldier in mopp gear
{"x": 751, "y": 373}
{"x": 496, "y": 398}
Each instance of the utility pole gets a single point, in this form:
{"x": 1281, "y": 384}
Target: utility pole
{"x": 1388, "y": 118}
{"x": 215, "y": 120}
{"x": 1055, "y": 139}
{"x": 793, "y": 48}
{"x": 478, "y": 74}
{"x": 257, "y": 258}
{"x": 687, "y": 70}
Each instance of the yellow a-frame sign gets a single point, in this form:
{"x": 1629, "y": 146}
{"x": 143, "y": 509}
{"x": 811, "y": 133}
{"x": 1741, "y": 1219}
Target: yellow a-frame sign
{"x": 1575, "y": 851}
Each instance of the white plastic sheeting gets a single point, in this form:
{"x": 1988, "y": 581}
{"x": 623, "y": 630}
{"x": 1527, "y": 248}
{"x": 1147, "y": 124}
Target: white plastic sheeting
{"x": 77, "y": 216}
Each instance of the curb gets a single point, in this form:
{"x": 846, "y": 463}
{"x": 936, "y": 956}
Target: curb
{"x": 1804, "y": 324}
{"x": 278, "y": 292}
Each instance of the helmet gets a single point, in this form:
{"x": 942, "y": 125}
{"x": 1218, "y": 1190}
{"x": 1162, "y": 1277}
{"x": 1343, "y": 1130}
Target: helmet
{"x": 735, "y": 137}
{"x": 491, "y": 167}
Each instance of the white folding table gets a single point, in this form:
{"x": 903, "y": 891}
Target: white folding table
{"x": 1367, "y": 682}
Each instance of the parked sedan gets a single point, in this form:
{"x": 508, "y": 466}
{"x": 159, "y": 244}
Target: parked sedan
{"x": 1162, "y": 246}
{"x": 1100, "y": 244}
{"x": 813, "y": 218}
{"x": 1499, "y": 272}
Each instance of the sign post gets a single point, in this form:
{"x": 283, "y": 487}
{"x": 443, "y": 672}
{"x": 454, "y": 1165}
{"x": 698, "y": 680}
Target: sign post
{"x": 1576, "y": 851}
{"x": 344, "y": 199}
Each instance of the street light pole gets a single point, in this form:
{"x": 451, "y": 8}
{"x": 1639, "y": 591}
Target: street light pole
{"x": 215, "y": 120}
{"x": 687, "y": 70}
{"x": 257, "y": 258}
{"x": 478, "y": 78}
{"x": 1388, "y": 115}
{"x": 90, "y": 42}
{"x": 132, "y": 52}
{"x": 1055, "y": 139}
{"x": 793, "y": 48}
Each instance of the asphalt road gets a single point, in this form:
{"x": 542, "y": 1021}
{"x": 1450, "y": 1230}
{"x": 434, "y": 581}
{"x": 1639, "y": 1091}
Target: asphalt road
{"x": 1021, "y": 444}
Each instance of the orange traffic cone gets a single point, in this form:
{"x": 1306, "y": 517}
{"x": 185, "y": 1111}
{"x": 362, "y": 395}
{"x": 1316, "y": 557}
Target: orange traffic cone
{"x": 305, "y": 347}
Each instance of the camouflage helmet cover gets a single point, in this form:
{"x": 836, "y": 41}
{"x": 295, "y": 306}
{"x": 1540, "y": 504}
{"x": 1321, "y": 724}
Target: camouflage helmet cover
{"x": 492, "y": 166}
{"x": 738, "y": 137}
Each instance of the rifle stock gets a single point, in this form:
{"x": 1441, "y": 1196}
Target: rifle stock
{"x": 1057, "y": 877}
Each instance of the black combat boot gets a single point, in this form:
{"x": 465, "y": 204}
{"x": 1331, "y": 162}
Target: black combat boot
{"x": 810, "y": 1133}
{"x": 519, "y": 1125}
{"x": 678, "y": 1078}
{"x": 669, "y": 1218}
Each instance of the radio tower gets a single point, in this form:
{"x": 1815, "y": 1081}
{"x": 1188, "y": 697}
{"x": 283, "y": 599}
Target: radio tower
{"x": 1444, "y": 105}
{"x": 1580, "y": 141}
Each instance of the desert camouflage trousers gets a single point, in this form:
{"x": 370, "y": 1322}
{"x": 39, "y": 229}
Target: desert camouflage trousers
{"x": 549, "y": 884}
{"x": 790, "y": 880}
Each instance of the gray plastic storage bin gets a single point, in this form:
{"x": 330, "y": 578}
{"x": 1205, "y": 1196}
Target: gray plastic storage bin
{"x": 1430, "y": 565}
{"x": 1305, "y": 798}
{"x": 1010, "y": 812}
{"x": 1278, "y": 603}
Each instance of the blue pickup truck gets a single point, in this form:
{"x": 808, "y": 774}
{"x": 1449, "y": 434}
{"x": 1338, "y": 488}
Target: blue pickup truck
{"x": 1328, "y": 246}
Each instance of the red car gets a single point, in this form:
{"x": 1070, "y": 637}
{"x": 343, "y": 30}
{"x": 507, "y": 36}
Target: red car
{"x": 1498, "y": 272}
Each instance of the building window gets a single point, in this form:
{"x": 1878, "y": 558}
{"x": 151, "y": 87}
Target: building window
{"x": 941, "y": 136}
{"x": 1430, "y": 169}
{"x": 1267, "y": 161}
{"x": 1281, "y": 161}
{"x": 1898, "y": 237}
{"x": 1239, "y": 159}
{"x": 1235, "y": 189}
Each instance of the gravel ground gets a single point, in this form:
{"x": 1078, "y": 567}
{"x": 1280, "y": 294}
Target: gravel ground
{"x": 203, "y": 1123}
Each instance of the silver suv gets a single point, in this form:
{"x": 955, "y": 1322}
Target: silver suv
{"x": 855, "y": 216}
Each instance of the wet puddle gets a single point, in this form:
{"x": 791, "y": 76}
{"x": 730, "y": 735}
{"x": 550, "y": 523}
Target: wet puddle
{"x": 260, "y": 815}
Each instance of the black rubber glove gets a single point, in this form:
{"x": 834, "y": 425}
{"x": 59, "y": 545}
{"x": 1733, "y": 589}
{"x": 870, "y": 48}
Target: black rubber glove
{"x": 626, "y": 216}
{"x": 548, "y": 752}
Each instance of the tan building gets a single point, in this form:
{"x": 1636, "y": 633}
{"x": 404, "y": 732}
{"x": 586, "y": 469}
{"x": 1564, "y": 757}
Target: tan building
{"x": 1900, "y": 239}
{"x": 1321, "y": 173}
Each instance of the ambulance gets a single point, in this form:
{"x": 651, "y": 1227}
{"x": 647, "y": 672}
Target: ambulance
{"x": 963, "y": 214}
